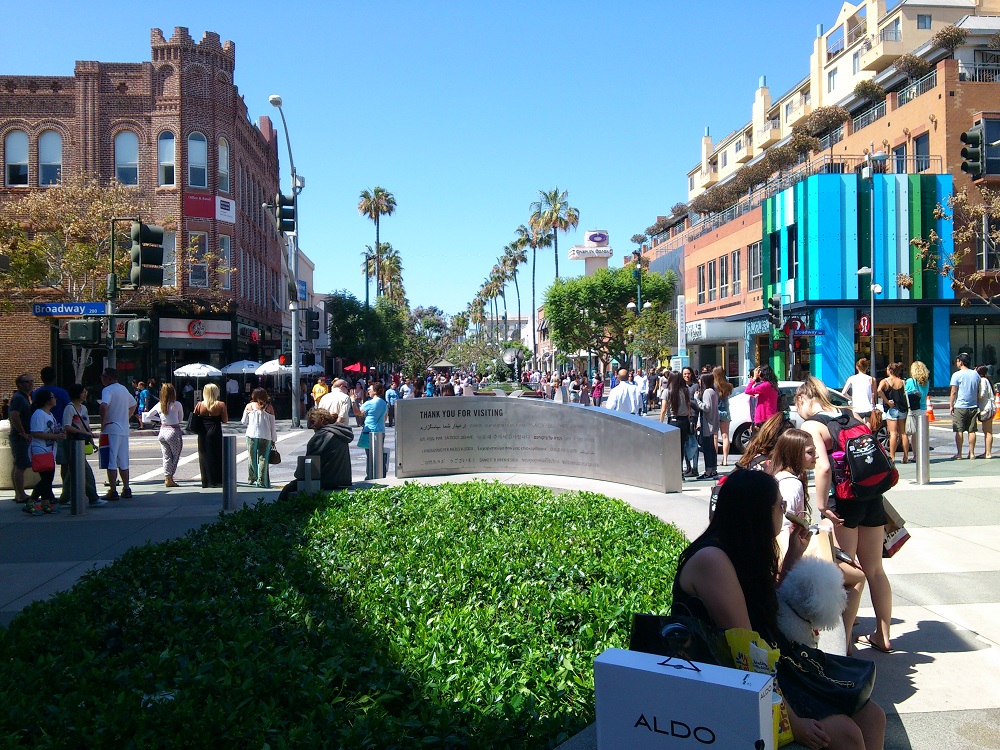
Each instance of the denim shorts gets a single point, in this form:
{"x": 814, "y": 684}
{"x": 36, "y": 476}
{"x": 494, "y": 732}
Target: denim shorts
{"x": 893, "y": 413}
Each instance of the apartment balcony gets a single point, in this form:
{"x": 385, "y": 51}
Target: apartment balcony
{"x": 867, "y": 118}
{"x": 978, "y": 73}
{"x": 916, "y": 89}
{"x": 745, "y": 151}
{"x": 883, "y": 50}
{"x": 769, "y": 133}
{"x": 835, "y": 137}
{"x": 708, "y": 176}
{"x": 797, "y": 112}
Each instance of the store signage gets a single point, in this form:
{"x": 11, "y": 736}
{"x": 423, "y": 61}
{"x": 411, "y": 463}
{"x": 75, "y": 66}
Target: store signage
{"x": 68, "y": 309}
{"x": 582, "y": 252}
{"x": 865, "y": 325}
{"x": 225, "y": 210}
{"x": 794, "y": 324}
{"x": 195, "y": 328}
{"x": 249, "y": 333}
{"x": 302, "y": 290}
{"x": 199, "y": 206}
{"x": 809, "y": 332}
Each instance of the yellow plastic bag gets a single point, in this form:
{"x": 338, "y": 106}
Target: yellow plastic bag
{"x": 752, "y": 653}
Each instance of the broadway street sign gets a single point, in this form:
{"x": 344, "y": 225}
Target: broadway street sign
{"x": 69, "y": 309}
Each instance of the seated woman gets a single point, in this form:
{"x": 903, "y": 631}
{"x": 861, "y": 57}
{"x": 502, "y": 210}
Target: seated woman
{"x": 727, "y": 578}
{"x": 330, "y": 445}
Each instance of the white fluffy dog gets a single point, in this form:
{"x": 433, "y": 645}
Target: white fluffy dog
{"x": 810, "y": 598}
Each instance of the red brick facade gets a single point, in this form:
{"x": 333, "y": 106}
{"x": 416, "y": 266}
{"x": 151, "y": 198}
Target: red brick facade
{"x": 186, "y": 89}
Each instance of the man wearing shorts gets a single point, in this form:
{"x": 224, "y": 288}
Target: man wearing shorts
{"x": 964, "y": 405}
{"x": 117, "y": 407}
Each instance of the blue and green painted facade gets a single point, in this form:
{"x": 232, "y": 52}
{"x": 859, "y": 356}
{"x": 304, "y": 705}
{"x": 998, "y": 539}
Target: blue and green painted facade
{"x": 817, "y": 234}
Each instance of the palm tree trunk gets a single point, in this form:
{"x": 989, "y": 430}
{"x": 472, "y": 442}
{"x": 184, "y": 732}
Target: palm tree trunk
{"x": 534, "y": 323}
{"x": 504, "y": 295}
{"x": 555, "y": 249}
{"x": 516, "y": 289}
{"x": 378, "y": 255}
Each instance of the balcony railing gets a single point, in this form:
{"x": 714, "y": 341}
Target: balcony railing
{"x": 835, "y": 48}
{"x": 914, "y": 90}
{"x": 890, "y": 35}
{"x": 978, "y": 73}
{"x": 832, "y": 139}
{"x": 867, "y": 118}
{"x": 821, "y": 165}
{"x": 764, "y": 133}
{"x": 856, "y": 32}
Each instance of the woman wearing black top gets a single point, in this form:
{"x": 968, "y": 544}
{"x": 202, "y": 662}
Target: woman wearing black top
{"x": 892, "y": 390}
{"x": 727, "y": 578}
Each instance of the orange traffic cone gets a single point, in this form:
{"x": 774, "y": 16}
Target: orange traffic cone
{"x": 930, "y": 409}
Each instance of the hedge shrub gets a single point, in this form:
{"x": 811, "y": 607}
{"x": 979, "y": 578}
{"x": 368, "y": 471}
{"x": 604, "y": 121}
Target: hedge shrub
{"x": 455, "y": 616}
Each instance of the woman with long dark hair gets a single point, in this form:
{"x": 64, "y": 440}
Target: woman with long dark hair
{"x": 763, "y": 385}
{"x": 892, "y": 391}
{"x": 171, "y": 437}
{"x": 794, "y": 455}
{"x": 725, "y": 389}
{"x": 707, "y": 402}
{"x": 679, "y": 416}
{"x": 727, "y": 577}
{"x": 45, "y": 432}
{"x": 258, "y": 416}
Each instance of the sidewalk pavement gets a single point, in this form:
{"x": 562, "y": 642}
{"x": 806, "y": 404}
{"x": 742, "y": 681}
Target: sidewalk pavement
{"x": 939, "y": 688}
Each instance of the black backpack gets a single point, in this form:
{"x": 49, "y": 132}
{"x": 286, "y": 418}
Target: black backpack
{"x": 757, "y": 463}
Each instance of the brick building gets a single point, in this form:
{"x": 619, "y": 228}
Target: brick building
{"x": 178, "y": 130}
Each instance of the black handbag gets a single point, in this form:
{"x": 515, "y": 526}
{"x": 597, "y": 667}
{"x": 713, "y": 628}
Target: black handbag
{"x": 680, "y": 637}
{"x": 842, "y": 682}
{"x": 274, "y": 457}
{"x": 195, "y": 424}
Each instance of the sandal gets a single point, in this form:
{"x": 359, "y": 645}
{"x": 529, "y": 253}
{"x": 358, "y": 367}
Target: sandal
{"x": 867, "y": 640}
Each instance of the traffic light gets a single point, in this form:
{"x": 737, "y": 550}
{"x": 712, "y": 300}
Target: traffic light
{"x": 85, "y": 331}
{"x": 308, "y": 359}
{"x": 147, "y": 255}
{"x": 138, "y": 330}
{"x": 285, "y": 359}
{"x": 801, "y": 343}
{"x": 284, "y": 212}
{"x": 972, "y": 155}
{"x": 778, "y": 345}
{"x": 774, "y": 311}
{"x": 312, "y": 324}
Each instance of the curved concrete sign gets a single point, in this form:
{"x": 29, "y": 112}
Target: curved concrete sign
{"x": 488, "y": 434}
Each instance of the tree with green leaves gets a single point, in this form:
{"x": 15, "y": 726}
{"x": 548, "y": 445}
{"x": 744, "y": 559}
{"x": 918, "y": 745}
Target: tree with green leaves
{"x": 950, "y": 38}
{"x": 375, "y": 204}
{"x": 513, "y": 258}
{"x": 387, "y": 268}
{"x": 552, "y": 213}
{"x": 365, "y": 334}
{"x": 591, "y": 313}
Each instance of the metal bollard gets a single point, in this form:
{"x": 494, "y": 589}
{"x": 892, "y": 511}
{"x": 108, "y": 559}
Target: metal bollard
{"x": 229, "y": 472}
{"x": 377, "y": 469}
{"x": 78, "y": 487}
{"x": 309, "y": 483}
{"x": 923, "y": 451}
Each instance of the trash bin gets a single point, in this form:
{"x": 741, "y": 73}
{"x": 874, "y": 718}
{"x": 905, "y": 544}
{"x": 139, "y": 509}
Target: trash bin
{"x": 7, "y": 461}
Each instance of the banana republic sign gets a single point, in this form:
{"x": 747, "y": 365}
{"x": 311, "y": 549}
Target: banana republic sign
{"x": 647, "y": 702}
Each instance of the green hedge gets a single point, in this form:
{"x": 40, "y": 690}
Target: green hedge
{"x": 456, "y": 616}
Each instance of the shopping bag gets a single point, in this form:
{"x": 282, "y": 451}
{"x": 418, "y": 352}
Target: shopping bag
{"x": 896, "y": 534}
{"x": 103, "y": 451}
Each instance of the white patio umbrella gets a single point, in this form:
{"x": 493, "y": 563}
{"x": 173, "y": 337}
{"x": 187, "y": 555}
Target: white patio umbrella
{"x": 273, "y": 367}
{"x": 311, "y": 370}
{"x": 243, "y": 367}
{"x": 198, "y": 370}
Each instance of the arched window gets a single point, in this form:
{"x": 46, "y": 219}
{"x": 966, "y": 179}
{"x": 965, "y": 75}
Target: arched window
{"x": 197, "y": 160}
{"x": 127, "y": 158}
{"x": 223, "y": 165}
{"x": 15, "y": 150}
{"x": 50, "y": 158}
{"x": 165, "y": 158}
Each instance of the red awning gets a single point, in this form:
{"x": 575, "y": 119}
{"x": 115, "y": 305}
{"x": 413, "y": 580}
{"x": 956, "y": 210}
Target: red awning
{"x": 356, "y": 367}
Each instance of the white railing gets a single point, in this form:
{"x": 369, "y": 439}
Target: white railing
{"x": 890, "y": 35}
{"x": 832, "y": 139}
{"x": 978, "y": 73}
{"x": 867, "y": 118}
{"x": 917, "y": 88}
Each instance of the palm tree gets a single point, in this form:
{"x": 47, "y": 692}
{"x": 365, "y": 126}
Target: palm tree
{"x": 392, "y": 275}
{"x": 375, "y": 204}
{"x": 501, "y": 277}
{"x": 533, "y": 238}
{"x": 514, "y": 256}
{"x": 551, "y": 212}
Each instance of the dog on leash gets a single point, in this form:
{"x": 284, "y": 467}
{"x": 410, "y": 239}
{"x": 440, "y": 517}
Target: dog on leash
{"x": 811, "y": 598}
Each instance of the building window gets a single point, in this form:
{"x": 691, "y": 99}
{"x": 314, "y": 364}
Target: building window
{"x": 712, "y": 281}
{"x": 775, "y": 245}
{"x": 15, "y": 149}
{"x": 856, "y": 62}
{"x": 225, "y": 260}
{"x": 197, "y": 161}
{"x": 49, "y": 158}
{"x": 127, "y": 158}
{"x": 165, "y": 158}
{"x": 831, "y": 81}
{"x": 736, "y": 272}
{"x": 923, "y": 21}
{"x": 753, "y": 267}
{"x": 197, "y": 249}
{"x": 922, "y": 152}
{"x": 723, "y": 277}
{"x": 807, "y": 97}
{"x": 169, "y": 259}
{"x": 691, "y": 182}
{"x": 223, "y": 166}
{"x": 793, "y": 251}
{"x": 989, "y": 251}
{"x": 725, "y": 158}
{"x": 701, "y": 285}
{"x": 899, "y": 159}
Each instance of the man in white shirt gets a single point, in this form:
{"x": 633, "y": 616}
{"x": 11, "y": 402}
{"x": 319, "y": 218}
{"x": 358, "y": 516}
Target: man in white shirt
{"x": 337, "y": 401}
{"x": 117, "y": 406}
{"x": 406, "y": 389}
{"x": 624, "y": 397}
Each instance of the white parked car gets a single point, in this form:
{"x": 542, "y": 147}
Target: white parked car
{"x": 741, "y": 418}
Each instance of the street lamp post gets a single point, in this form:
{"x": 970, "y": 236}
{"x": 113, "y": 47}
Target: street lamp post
{"x": 869, "y": 171}
{"x": 637, "y": 306}
{"x": 293, "y": 263}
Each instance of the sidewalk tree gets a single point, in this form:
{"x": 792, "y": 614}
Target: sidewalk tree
{"x": 589, "y": 313}
{"x": 972, "y": 262}
{"x": 360, "y": 334}
{"x": 656, "y": 335}
{"x": 552, "y": 213}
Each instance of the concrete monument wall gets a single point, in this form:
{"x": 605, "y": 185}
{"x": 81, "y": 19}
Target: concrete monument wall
{"x": 488, "y": 434}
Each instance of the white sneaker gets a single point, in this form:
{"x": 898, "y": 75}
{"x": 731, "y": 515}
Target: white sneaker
{"x": 98, "y": 501}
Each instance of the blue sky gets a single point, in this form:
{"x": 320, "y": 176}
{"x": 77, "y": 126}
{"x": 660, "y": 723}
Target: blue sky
{"x": 465, "y": 110}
